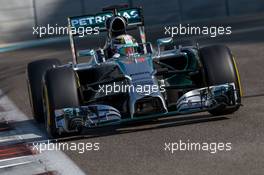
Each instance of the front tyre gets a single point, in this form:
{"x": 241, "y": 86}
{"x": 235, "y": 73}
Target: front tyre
{"x": 220, "y": 68}
{"x": 60, "y": 91}
{"x": 35, "y": 74}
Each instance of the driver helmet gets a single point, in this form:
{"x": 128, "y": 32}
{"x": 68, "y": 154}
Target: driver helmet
{"x": 124, "y": 45}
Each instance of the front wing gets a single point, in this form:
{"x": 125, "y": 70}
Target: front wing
{"x": 198, "y": 100}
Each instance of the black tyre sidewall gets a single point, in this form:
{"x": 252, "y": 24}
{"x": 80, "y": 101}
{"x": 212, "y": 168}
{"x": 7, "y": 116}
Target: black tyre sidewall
{"x": 219, "y": 68}
{"x": 35, "y": 74}
{"x": 62, "y": 92}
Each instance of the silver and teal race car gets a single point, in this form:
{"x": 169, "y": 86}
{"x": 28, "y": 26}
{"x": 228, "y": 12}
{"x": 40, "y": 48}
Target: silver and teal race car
{"x": 149, "y": 83}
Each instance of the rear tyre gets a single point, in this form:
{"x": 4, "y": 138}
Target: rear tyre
{"x": 220, "y": 67}
{"x": 60, "y": 91}
{"x": 35, "y": 73}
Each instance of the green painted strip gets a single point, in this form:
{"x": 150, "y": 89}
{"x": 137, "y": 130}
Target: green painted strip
{"x": 32, "y": 43}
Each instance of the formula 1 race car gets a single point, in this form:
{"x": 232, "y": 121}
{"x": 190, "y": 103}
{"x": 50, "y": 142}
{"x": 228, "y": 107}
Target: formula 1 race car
{"x": 129, "y": 81}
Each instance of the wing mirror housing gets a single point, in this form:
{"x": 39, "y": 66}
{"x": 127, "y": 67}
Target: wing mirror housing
{"x": 97, "y": 56}
{"x": 88, "y": 52}
{"x": 163, "y": 41}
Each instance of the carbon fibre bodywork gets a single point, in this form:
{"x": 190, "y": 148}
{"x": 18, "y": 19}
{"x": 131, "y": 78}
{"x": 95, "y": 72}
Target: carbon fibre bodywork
{"x": 101, "y": 108}
{"x": 149, "y": 83}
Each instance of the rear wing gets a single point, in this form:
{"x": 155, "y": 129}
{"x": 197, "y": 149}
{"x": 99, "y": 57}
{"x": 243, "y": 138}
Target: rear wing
{"x": 78, "y": 25}
{"x": 133, "y": 15}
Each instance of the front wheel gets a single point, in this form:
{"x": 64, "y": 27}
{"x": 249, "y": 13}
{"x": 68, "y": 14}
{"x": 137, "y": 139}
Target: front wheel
{"x": 35, "y": 73}
{"x": 220, "y": 68}
{"x": 60, "y": 91}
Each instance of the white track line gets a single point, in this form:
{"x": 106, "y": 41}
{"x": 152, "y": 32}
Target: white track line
{"x": 52, "y": 160}
{"x": 15, "y": 164}
{"x": 15, "y": 158}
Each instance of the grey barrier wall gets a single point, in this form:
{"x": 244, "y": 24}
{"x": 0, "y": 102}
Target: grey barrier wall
{"x": 17, "y": 17}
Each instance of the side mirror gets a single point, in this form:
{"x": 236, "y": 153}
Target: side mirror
{"x": 88, "y": 52}
{"x": 163, "y": 41}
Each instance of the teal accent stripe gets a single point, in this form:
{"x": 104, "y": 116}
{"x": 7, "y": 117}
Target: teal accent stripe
{"x": 32, "y": 43}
